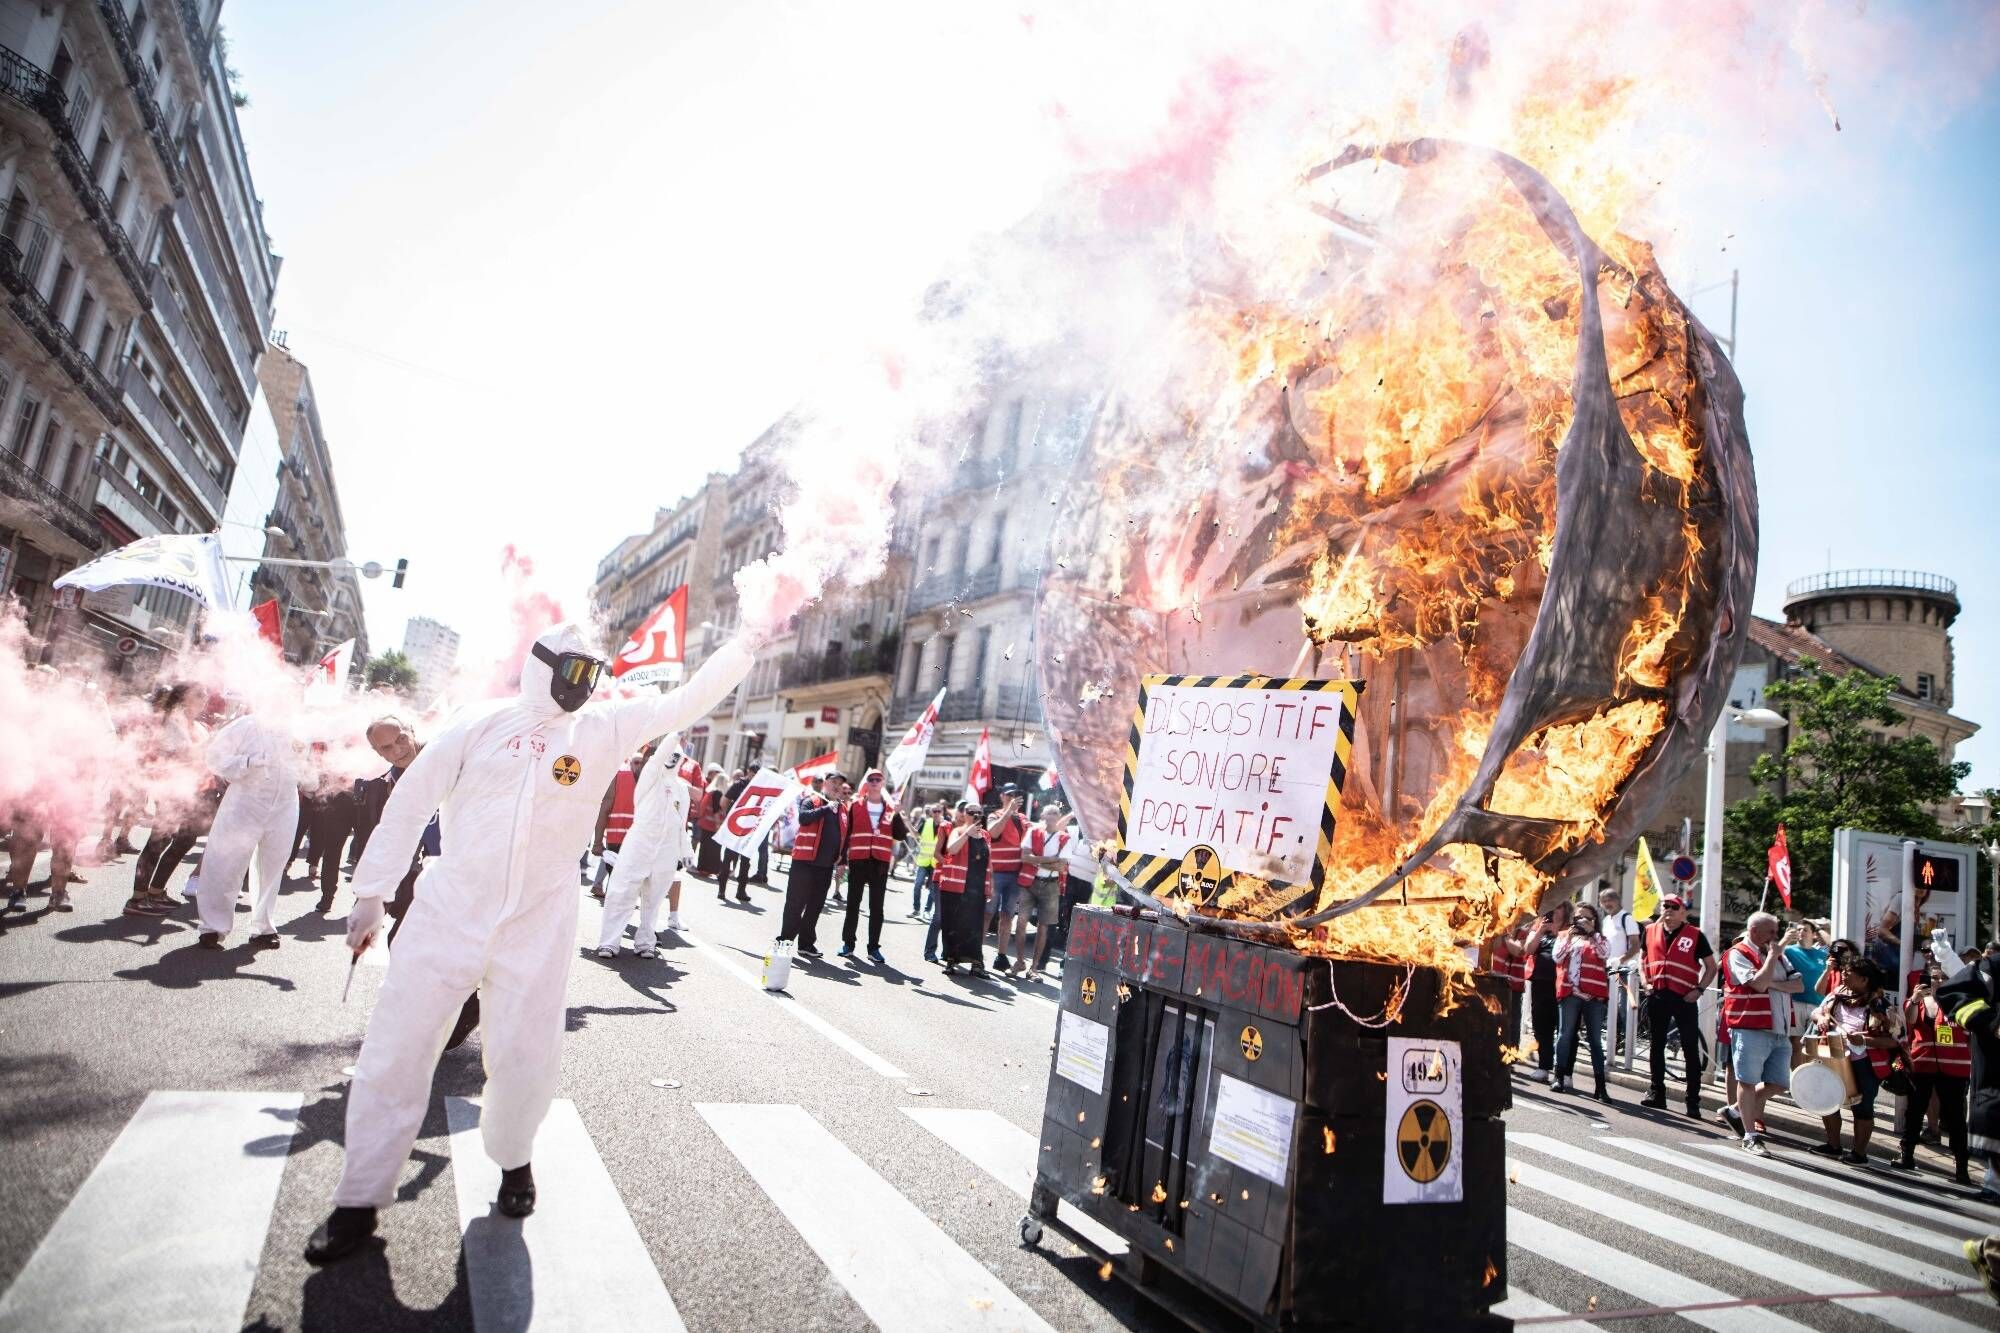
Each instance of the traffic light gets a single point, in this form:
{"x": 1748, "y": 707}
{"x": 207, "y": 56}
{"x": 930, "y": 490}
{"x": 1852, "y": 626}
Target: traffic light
{"x": 402, "y": 568}
{"x": 1935, "y": 874}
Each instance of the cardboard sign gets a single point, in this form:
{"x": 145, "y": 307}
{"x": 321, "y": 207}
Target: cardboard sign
{"x": 1423, "y": 1147}
{"x": 1249, "y": 766}
{"x": 749, "y": 821}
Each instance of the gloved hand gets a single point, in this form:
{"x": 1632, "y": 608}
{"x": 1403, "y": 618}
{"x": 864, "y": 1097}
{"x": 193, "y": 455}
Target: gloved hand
{"x": 362, "y": 919}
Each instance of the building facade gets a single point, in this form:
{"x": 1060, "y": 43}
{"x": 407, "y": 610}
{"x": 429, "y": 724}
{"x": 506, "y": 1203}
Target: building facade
{"x": 743, "y": 730}
{"x": 138, "y": 286}
{"x": 432, "y": 648}
{"x": 642, "y": 570}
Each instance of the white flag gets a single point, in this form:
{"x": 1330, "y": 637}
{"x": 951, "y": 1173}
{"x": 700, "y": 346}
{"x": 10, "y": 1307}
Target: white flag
{"x": 909, "y": 756}
{"x": 768, "y": 795}
{"x": 336, "y": 664}
{"x": 187, "y": 562}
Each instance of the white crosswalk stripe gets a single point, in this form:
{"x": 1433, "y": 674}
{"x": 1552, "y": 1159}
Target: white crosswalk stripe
{"x": 1520, "y": 1305}
{"x": 1008, "y": 1153}
{"x": 577, "y": 1262}
{"x": 1739, "y": 1253}
{"x": 900, "y": 1267}
{"x": 167, "y": 1230}
{"x": 1957, "y": 1222}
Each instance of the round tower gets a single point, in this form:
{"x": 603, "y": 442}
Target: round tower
{"x": 1897, "y": 621}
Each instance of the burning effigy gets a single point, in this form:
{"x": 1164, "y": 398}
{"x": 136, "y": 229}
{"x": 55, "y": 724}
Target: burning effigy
{"x": 1483, "y": 463}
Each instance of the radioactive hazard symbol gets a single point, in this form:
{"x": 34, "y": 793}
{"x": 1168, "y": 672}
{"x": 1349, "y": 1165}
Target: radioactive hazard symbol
{"x": 1423, "y": 1141}
{"x": 1253, "y": 1044}
{"x": 1089, "y": 989}
{"x": 567, "y": 770}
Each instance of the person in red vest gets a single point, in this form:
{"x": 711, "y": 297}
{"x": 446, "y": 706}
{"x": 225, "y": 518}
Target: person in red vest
{"x": 1680, "y": 964}
{"x": 1514, "y": 960}
{"x": 709, "y": 814}
{"x": 1005, "y": 831}
{"x": 962, "y": 876}
{"x": 1940, "y": 1063}
{"x": 1758, "y": 983}
{"x": 614, "y": 820}
{"x": 874, "y": 828}
{"x": 816, "y": 851}
{"x": 1582, "y": 987}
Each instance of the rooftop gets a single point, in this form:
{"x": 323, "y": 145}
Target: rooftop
{"x": 1835, "y": 580}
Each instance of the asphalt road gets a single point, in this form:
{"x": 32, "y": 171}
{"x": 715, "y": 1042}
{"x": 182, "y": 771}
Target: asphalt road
{"x": 836, "y": 1158}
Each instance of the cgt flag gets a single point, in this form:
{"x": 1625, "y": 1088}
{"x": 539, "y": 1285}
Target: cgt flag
{"x": 816, "y": 768}
{"x": 1778, "y": 864}
{"x": 909, "y": 756}
{"x": 657, "y": 650}
{"x": 763, "y": 802}
{"x": 979, "y": 777}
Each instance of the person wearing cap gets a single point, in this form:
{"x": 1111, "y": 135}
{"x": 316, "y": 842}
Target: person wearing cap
{"x": 874, "y": 827}
{"x": 822, "y": 839}
{"x": 1005, "y": 831}
{"x": 1680, "y": 965}
{"x": 1044, "y": 868}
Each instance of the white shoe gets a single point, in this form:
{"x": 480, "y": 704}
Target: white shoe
{"x": 607, "y": 953}
{"x": 1539, "y": 1075}
{"x": 673, "y": 921}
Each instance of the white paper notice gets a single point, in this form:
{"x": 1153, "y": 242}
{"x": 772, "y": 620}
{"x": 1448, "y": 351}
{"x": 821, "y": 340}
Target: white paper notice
{"x": 1081, "y": 1046}
{"x": 1423, "y": 1153}
{"x": 1253, "y": 1128}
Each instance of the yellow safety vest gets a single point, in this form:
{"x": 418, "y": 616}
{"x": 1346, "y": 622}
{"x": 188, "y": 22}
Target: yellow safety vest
{"x": 927, "y": 841}
{"x": 1103, "y": 893}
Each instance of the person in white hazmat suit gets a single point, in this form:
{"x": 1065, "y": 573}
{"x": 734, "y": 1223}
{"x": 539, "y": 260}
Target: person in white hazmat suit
{"x": 254, "y": 827}
{"x": 515, "y": 785}
{"x": 649, "y": 862}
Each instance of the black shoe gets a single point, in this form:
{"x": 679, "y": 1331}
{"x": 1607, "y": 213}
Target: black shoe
{"x": 846, "y": 951}
{"x": 810, "y": 952}
{"x": 1602, "y": 1094}
{"x": 1655, "y": 1100}
{"x": 979, "y": 971}
{"x": 266, "y": 941}
{"x": 210, "y": 939}
{"x": 1693, "y": 1109}
{"x": 1561, "y": 1084}
{"x": 999, "y": 962}
{"x": 517, "y": 1191}
{"x": 721, "y": 897}
{"x": 325, "y": 905}
{"x": 1905, "y": 1161}
{"x": 344, "y": 1231}
{"x": 742, "y": 897}
{"x": 468, "y": 1019}
{"x": 1734, "y": 1119}
{"x": 1961, "y": 1175}
{"x": 1855, "y": 1158}
{"x": 1825, "y": 1150}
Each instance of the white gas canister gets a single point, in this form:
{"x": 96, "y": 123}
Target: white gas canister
{"x": 778, "y": 965}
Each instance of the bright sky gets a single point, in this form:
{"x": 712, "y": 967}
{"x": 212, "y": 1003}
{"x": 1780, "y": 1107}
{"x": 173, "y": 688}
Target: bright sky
{"x": 549, "y": 264}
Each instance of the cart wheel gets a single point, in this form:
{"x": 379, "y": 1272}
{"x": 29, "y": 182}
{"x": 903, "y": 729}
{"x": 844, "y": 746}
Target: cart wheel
{"x": 1031, "y": 1230}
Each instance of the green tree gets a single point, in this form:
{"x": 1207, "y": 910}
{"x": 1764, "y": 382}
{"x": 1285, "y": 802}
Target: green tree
{"x": 1840, "y": 768}
{"x": 393, "y": 670}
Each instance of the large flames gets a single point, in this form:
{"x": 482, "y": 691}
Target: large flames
{"x": 1370, "y": 479}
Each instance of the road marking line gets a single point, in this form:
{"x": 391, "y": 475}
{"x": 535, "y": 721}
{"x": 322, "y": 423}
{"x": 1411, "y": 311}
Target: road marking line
{"x": 577, "y": 1262}
{"x": 787, "y": 1004}
{"x": 899, "y": 1266}
{"x": 1644, "y": 1278}
{"x": 1009, "y": 1154}
{"x": 168, "y": 1229}
{"x": 1520, "y": 1305}
{"x": 1946, "y": 1242}
{"x": 1731, "y": 1250}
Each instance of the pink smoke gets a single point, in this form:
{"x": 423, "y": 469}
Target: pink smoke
{"x": 531, "y": 609}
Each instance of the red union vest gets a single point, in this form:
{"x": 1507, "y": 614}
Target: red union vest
{"x": 1038, "y": 845}
{"x": 1937, "y": 1045}
{"x": 1591, "y": 983}
{"x": 953, "y": 868}
{"x": 619, "y": 822}
{"x": 713, "y": 808}
{"x": 865, "y": 841}
{"x": 1516, "y": 970}
{"x": 1743, "y": 1007}
{"x": 1004, "y": 842}
{"x": 805, "y": 849}
{"x": 1670, "y": 963}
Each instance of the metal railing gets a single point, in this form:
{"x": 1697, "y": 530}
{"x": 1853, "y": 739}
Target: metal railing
{"x": 211, "y": 275}
{"x": 1836, "y": 579}
{"x": 26, "y": 82}
{"x": 168, "y": 307}
{"x": 23, "y": 482}
{"x": 121, "y": 483}
{"x": 878, "y": 659}
{"x": 197, "y": 38}
{"x": 177, "y": 442}
{"x": 940, "y": 589}
{"x": 32, "y": 309}
{"x": 145, "y": 90}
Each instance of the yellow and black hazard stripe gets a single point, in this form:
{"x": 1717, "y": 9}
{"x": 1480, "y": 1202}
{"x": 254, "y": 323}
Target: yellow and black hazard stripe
{"x": 1150, "y": 872}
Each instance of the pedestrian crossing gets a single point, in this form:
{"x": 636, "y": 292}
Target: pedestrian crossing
{"x": 171, "y": 1227}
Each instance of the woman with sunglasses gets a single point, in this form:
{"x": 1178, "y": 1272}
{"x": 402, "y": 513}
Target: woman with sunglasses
{"x": 961, "y": 908}
{"x": 1582, "y": 988}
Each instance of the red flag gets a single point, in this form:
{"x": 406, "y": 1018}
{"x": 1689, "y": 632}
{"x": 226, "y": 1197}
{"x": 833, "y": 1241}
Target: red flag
{"x": 1779, "y": 865}
{"x": 690, "y": 771}
{"x": 269, "y": 617}
{"x": 979, "y": 778}
{"x": 817, "y": 768}
{"x": 658, "y": 647}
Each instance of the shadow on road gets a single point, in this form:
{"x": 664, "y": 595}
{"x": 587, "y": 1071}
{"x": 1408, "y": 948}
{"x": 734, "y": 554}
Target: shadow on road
{"x": 361, "y": 1293}
{"x": 190, "y": 965}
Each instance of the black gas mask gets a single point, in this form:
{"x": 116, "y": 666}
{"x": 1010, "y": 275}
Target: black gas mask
{"x": 573, "y": 677}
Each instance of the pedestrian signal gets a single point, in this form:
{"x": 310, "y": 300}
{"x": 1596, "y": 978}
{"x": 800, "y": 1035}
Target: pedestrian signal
{"x": 1936, "y": 874}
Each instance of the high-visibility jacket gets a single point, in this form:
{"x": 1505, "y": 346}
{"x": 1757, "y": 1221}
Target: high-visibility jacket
{"x": 1041, "y": 842}
{"x": 624, "y": 789}
{"x": 1516, "y": 969}
{"x": 1003, "y": 841}
{"x": 1591, "y": 982}
{"x": 805, "y": 848}
{"x": 1743, "y": 1006}
{"x": 868, "y": 841}
{"x": 955, "y": 873}
{"x": 1103, "y": 893}
{"x": 1670, "y": 962}
{"x": 1937, "y": 1045}
{"x": 927, "y": 843}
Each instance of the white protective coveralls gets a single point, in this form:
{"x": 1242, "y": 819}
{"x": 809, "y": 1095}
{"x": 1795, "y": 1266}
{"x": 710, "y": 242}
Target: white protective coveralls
{"x": 516, "y": 786}
{"x": 254, "y": 825}
{"x": 651, "y": 854}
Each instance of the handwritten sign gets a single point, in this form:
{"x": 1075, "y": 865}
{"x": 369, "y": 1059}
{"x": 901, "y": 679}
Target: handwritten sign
{"x": 1250, "y": 770}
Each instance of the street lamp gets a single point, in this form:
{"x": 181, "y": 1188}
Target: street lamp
{"x": 1761, "y": 719}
